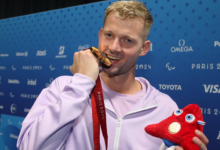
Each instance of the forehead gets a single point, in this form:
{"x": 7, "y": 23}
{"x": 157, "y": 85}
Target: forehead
{"x": 130, "y": 26}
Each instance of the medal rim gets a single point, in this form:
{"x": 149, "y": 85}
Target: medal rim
{"x": 104, "y": 60}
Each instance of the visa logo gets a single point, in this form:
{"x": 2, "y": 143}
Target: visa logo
{"x": 210, "y": 88}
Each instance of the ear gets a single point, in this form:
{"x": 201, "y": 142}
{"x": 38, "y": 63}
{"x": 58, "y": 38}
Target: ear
{"x": 100, "y": 32}
{"x": 145, "y": 49}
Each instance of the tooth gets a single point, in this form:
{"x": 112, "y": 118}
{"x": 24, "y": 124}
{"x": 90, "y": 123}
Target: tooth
{"x": 113, "y": 57}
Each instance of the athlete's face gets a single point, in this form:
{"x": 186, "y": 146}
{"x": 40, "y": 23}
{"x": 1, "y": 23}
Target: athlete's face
{"x": 122, "y": 42}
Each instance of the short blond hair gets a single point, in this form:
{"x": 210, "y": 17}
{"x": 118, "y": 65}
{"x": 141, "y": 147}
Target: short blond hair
{"x": 129, "y": 10}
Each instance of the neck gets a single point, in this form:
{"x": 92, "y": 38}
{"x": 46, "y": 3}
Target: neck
{"x": 124, "y": 84}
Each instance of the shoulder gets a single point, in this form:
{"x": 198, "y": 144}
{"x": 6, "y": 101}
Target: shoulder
{"x": 165, "y": 105}
{"x": 162, "y": 99}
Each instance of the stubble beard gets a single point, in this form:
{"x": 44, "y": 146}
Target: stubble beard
{"x": 120, "y": 71}
{"x": 108, "y": 71}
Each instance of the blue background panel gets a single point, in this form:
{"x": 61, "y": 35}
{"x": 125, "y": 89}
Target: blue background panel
{"x": 184, "y": 59}
{"x": 10, "y": 128}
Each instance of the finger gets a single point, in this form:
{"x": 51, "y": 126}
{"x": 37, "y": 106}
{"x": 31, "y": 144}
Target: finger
{"x": 73, "y": 67}
{"x": 86, "y": 53}
{"x": 198, "y": 142}
{"x": 75, "y": 58}
{"x": 85, "y": 49}
{"x": 178, "y": 148}
{"x": 202, "y": 137}
{"x": 75, "y": 55}
{"x": 88, "y": 50}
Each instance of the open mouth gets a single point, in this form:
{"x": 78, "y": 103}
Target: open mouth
{"x": 113, "y": 58}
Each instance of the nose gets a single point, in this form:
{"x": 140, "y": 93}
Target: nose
{"x": 115, "y": 46}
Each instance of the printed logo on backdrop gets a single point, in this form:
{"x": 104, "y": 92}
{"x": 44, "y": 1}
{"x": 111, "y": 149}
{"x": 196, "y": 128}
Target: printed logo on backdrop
{"x": 1, "y": 107}
{"x": 218, "y": 137}
{"x": 9, "y": 121}
{"x": 11, "y": 95}
{"x": 83, "y": 47}
{"x": 26, "y": 110}
{"x": 13, "y": 137}
{"x": 52, "y": 68}
{"x": 143, "y": 66}
{"x": 4, "y": 55}
{"x": 2, "y": 68}
{"x": 32, "y": 67}
{"x": 41, "y": 53}
{"x": 209, "y": 111}
{"x": 216, "y": 43}
{"x": 32, "y": 82}
{"x": 13, "y": 108}
{"x": 13, "y": 81}
{"x": 61, "y": 52}
{"x": 29, "y": 96}
{"x": 22, "y": 54}
{"x": 13, "y": 68}
{"x": 205, "y": 66}
{"x": 2, "y": 94}
{"x": 14, "y": 122}
{"x": 182, "y": 47}
{"x": 171, "y": 87}
{"x": 48, "y": 84}
{"x": 210, "y": 88}
{"x": 66, "y": 67}
{"x": 169, "y": 67}
{"x": 10, "y": 128}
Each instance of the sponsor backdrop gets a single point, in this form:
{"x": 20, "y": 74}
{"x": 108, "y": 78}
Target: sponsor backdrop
{"x": 184, "y": 59}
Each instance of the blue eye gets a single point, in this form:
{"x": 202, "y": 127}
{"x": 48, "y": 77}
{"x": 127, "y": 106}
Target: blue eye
{"x": 178, "y": 112}
{"x": 190, "y": 118}
{"x": 108, "y": 35}
{"x": 128, "y": 40}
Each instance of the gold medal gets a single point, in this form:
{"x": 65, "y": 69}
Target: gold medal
{"x": 104, "y": 60}
{"x": 174, "y": 127}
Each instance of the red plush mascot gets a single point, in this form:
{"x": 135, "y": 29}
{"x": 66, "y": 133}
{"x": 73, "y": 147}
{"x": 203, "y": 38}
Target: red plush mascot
{"x": 179, "y": 128}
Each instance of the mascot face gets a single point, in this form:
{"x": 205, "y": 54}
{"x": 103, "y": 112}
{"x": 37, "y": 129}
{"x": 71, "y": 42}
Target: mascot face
{"x": 180, "y": 127}
{"x": 181, "y": 120}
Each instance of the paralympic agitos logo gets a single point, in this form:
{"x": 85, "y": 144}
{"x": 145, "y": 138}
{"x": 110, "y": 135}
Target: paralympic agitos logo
{"x": 13, "y": 108}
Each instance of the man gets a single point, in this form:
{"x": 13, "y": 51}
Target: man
{"x": 61, "y": 117}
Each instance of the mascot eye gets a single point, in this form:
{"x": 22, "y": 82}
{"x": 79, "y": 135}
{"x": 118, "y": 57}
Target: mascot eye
{"x": 178, "y": 112}
{"x": 190, "y": 118}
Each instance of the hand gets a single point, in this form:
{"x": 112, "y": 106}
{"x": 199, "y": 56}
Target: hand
{"x": 202, "y": 141}
{"x": 84, "y": 62}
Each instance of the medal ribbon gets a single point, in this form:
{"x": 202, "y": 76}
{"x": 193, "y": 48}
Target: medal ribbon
{"x": 98, "y": 115}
